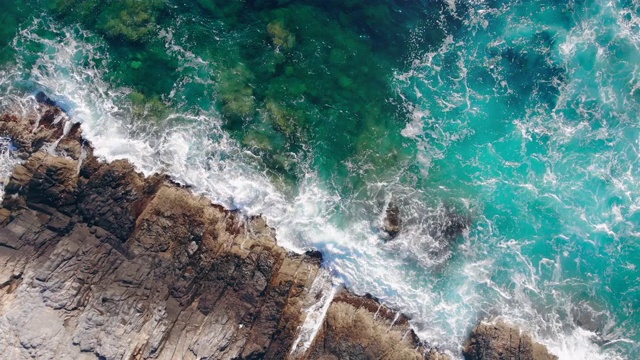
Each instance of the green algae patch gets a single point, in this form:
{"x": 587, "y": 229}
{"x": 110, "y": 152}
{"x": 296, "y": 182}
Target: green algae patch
{"x": 131, "y": 20}
{"x": 312, "y": 77}
{"x": 82, "y": 10}
{"x": 236, "y": 93}
{"x": 281, "y": 118}
{"x": 136, "y": 65}
{"x": 147, "y": 108}
{"x": 258, "y": 140}
{"x": 304, "y": 88}
{"x": 321, "y": 82}
{"x": 138, "y": 56}
{"x": 280, "y": 36}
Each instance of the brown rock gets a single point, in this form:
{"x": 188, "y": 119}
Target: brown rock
{"x": 350, "y": 332}
{"x": 500, "y": 341}
{"x": 392, "y": 222}
{"x": 97, "y": 260}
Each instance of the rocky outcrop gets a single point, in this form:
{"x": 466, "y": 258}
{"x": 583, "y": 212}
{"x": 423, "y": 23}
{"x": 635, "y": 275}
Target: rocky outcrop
{"x": 97, "y": 261}
{"x": 350, "y": 332}
{"x": 391, "y": 222}
{"x": 498, "y": 341}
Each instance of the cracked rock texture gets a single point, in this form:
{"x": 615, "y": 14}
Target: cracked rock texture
{"x": 498, "y": 341}
{"x": 98, "y": 261}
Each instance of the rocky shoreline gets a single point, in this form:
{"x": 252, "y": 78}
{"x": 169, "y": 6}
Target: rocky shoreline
{"x": 98, "y": 261}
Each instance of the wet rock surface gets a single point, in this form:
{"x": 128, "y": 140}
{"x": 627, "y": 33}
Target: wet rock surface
{"x": 498, "y": 341}
{"x": 392, "y": 222}
{"x": 98, "y": 261}
{"x": 350, "y": 332}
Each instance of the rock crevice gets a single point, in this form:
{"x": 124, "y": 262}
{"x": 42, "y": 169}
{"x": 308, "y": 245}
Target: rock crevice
{"x": 98, "y": 261}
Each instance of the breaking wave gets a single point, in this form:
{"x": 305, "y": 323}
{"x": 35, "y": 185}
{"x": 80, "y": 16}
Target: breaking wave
{"x": 526, "y": 150}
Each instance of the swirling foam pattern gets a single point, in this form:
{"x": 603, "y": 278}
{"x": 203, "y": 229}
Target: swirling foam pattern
{"x": 519, "y": 118}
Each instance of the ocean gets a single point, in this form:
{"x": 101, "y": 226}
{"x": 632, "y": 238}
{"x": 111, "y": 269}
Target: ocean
{"x": 504, "y": 134}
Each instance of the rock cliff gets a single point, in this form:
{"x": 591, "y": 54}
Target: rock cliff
{"x": 97, "y": 261}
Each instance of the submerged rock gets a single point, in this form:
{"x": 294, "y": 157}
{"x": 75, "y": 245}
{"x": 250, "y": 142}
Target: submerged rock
{"x": 587, "y": 317}
{"x": 500, "y": 341}
{"x": 392, "y": 221}
{"x": 454, "y": 225}
{"x": 448, "y": 224}
{"x": 98, "y": 261}
{"x": 42, "y": 98}
{"x": 445, "y": 224}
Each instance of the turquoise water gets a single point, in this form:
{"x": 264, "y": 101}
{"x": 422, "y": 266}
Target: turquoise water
{"x": 519, "y": 117}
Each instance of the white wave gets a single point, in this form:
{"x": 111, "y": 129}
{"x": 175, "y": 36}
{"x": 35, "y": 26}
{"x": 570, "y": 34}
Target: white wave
{"x": 195, "y": 150}
{"x": 8, "y": 160}
{"x": 437, "y": 93}
{"x": 316, "y": 306}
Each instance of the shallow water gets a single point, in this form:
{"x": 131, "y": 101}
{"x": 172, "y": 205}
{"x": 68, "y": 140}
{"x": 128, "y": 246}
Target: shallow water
{"x": 516, "y": 118}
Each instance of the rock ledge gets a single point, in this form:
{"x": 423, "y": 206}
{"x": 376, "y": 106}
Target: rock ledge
{"x": 97, "y": 261}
